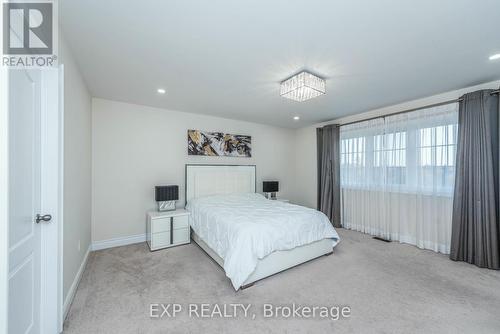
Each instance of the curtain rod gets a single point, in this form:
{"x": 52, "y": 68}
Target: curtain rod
{"x": 414, "y": 109}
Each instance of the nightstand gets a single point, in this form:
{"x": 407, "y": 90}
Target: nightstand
{"x": 167, "y": 228}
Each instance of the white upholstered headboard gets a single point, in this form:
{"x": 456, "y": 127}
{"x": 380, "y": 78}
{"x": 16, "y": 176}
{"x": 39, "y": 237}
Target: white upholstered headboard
{"x": 206, "y": 180}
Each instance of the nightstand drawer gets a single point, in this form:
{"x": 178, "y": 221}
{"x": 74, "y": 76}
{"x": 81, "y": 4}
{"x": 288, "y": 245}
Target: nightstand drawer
{"x": 180, "y": 222}
{"x": 161, "y": 225}
{"x": 167, "y": 229}
{"x": 159, "y": 240}
{"x": 180, "y": 236}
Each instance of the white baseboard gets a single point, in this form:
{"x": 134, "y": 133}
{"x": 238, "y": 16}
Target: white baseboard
{"x": 116, "y": 242}
{"x": 74, "y": 285}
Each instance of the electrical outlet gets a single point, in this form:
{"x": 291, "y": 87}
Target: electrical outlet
{"x": 78, "y": 245}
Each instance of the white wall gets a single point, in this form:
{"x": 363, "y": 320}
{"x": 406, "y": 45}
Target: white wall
{"x": 136, "y": 147}
{"x": 306, "y": 138}
{"x": 306, "y": 167}
{"x": 77, "y": 169}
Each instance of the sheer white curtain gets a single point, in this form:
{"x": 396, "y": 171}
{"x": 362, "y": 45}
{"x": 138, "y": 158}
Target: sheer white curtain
{"x": 397, "y": 176}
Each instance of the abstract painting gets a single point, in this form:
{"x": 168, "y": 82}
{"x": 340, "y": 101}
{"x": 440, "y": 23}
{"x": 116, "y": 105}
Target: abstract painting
{"x": 218, "y": 144}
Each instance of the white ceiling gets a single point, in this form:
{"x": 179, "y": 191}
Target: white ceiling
{"x": 226, "y": 57}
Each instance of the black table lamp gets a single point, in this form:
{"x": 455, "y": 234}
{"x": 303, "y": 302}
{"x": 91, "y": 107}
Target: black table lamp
{"x": 270, "y": 189}
{"x": 166, "y": 196}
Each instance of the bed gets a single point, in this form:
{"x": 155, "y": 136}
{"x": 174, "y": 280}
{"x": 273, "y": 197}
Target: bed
{"x": 249, "y": 236}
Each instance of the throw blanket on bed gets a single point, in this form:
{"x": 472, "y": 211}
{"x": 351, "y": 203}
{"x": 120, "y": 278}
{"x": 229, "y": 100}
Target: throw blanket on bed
{"x": 243, "y": 228}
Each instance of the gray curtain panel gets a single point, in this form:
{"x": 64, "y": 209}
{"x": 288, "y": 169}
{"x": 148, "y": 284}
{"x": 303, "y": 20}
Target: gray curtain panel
{"x": 328, "y": 145}
{"x": 319, "y": 153}
{"x": 475, "y": 231}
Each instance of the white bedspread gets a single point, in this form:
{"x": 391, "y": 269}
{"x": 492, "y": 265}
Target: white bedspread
{"x": 243, "y": 228}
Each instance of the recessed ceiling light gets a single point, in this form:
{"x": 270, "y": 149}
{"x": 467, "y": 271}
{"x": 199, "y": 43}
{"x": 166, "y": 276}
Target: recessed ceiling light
{"x": 296, "y": 118}
{"x": 495, "y": 56}
{"x": 161, "y": 91}
{"x": 303, "y": 86}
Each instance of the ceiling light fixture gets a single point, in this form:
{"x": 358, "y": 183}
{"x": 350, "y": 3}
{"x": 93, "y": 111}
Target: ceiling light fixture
{"x": 495, "y": 56}
{"x": 303, "y": 86}
{"x": 161, "y": 91}
{"x": 296, "y": 118}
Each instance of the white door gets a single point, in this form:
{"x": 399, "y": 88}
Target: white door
{"x": 24, "y": 278}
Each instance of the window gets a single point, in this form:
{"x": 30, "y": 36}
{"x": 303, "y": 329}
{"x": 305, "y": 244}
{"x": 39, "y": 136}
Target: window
{"x": 353, "y": 152}
{"x": 438, "y": 145}
{"x": 353, "y": 159}
{"x": 389, "y": 158}
{"x": 436, "y": 158}
{"x": 390, "y": 150}
{"x": 409, "y": 152}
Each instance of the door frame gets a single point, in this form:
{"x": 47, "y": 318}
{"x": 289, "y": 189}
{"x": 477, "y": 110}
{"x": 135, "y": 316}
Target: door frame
{"x": 51, "y": 193}
{"x": 4, "y": 214}
{"x": 52, "y": 197}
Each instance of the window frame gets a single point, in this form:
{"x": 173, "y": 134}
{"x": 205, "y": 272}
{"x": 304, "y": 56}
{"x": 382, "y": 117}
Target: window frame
{"x": 412, "y": 148}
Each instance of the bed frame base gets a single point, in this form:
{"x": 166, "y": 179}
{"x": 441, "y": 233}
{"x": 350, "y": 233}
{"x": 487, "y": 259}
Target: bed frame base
{"x": 275, "y": 262}
{"x": 243, "y": 287}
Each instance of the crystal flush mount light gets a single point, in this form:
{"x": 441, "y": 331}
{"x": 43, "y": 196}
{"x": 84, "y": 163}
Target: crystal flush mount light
{"x": 303, "y": 86}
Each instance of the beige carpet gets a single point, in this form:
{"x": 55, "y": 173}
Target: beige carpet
{"x": 390, "y": 288}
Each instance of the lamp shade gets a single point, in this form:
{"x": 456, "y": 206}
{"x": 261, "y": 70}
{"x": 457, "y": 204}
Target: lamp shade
{"x": 166, "y": 193}
{"x": 270, "y": 186}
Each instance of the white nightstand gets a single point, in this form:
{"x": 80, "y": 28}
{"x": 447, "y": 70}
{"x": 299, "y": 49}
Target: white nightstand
{"x": 167, "y": 229}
